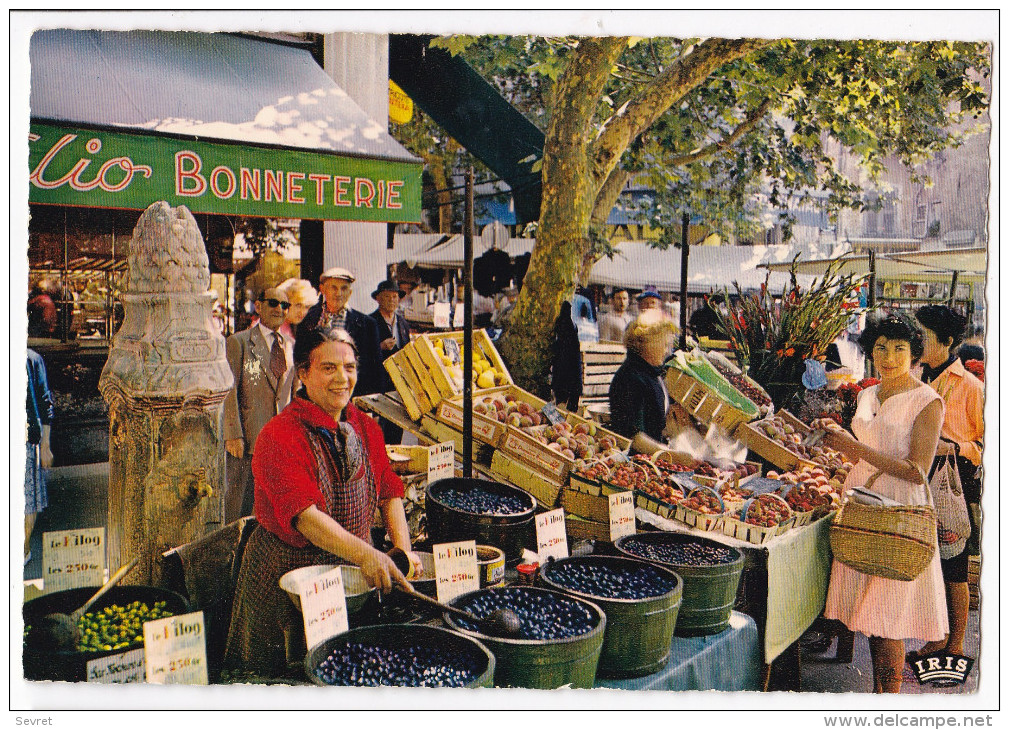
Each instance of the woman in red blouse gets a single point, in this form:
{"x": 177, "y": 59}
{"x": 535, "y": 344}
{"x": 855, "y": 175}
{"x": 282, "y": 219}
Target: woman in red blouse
{"x": 320, "y": 470}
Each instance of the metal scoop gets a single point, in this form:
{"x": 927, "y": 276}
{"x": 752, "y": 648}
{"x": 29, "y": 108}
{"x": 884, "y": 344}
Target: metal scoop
{"x": 58, "y": 631}
{"x": 503, "y": 622}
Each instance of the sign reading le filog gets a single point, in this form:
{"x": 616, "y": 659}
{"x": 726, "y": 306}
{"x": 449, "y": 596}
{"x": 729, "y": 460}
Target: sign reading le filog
{"x": 104, "y": 169}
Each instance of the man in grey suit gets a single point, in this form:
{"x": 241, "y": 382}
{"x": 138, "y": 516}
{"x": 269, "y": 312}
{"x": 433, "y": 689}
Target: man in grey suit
{"x": 263, "y": 364}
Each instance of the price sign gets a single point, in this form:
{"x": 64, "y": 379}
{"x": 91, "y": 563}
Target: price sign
{"x": 323, "y": 606}
{"x": 73, "y": 559}
{"x": 125, "y": 668}
{"x": 552, "y": 415}
{"x": 442, "y": 312}
{"x": 621, "y": 515}
{"x": 440, "y": 461}
{"x": 455, "y": 569}
{"x": 175, "y": 650}
{"x": 551, "y": 537}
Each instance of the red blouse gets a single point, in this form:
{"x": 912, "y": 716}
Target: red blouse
{"x": 284, "y": 470}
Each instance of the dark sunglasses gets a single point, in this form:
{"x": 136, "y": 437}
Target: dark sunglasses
{"x": 277, "y": 303}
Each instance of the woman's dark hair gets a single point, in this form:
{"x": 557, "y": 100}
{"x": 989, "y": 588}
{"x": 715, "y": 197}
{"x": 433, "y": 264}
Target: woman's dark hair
{"x": 307, "y": 342}
{"x": 947, "y": 323}
{"x": 892, "y": 326}
{"x": 970, "y": 352}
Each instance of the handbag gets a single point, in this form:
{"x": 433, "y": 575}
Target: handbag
{"x": 883, "y": 540}
{"x": 950, "y": 508}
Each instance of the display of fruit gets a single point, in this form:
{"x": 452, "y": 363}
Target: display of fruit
{"x": 689, "y": 552}
{"x": 543, "y": 615}
{"x": 594, "y": 470}
{"x": 704, "y": 501}
{"x": 507, "y": 409}
{"x": 710, "y": 471}
{"x": 812, "y": 498}
{"x": 580, "y": 441}
{"x": 743, "y": 384}
{"x": 730, "y": 492}
{"x": 662, "y": 491}
{"x": 118, "y": 627}
{"x": 817, "y": 476}
{"x": 696, "y": 365}
{"x": 766, "y": 510}
{"x": 607, "y": 581}
{"x": 365, "y": 665}
{"x": 479, "y": 501}
{"x": 484, "y": 373}
{"x": 663, "y": 465}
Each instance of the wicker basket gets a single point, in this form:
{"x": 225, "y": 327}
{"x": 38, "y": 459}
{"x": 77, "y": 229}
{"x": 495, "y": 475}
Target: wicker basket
{"x": 889, "y": 542}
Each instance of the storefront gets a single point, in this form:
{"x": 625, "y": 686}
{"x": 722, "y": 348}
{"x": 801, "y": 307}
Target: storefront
{"x": 229, "y": 126}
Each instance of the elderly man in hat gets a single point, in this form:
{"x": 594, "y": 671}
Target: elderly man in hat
{"x": 332, "y": 311}
{"x": 393, "y": 335}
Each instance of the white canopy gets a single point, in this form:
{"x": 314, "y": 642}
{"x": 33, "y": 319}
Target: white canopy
{"x": 637, "y": 265}
{"x": 916, "y": 266}
{"x": 425, "y": 251}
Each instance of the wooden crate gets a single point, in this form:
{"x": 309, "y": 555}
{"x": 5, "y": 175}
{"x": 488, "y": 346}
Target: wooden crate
{"x": 545, "y": 491}
{"x": 522, "y": 445}
{"x": 754, "y": 534}
{"x": 412, "y": 379}
{"x": 653, "y": 504}
{"x": 491, "y": 430}
{"x": 700, "y": 520}
{"x": 592, "y": 487}
{"x": 585, "y": 505}
{"x": 439, "y": 372}
{"x": 443, "y": 433}
{"x": 771, "y": 450}
{"x": 702, "y": 402}
{"x": 410, "y": 403}
{"x": 582, "y": 529}
{"x": 423, "y": 375}
{"x": 713, "y": 482}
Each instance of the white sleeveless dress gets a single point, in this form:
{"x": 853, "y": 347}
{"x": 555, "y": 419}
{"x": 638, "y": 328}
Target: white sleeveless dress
{"x": 874, "y": 606}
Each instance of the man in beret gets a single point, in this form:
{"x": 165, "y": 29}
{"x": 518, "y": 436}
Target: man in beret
{"x": 333, "y": 312}
{"x": 393, "y": 336}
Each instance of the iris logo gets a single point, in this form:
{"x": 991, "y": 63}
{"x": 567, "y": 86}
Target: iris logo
{"x": 942, "y": 670}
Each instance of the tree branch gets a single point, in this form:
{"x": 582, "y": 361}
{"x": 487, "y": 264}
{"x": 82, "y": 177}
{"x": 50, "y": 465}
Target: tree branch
{"x": 676, "y": 81}
{"x": 753, "y": 117}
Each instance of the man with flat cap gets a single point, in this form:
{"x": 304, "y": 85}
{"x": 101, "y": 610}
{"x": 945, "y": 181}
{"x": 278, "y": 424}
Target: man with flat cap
{"x": 262, "y": 362}
{"x": 333, "y": 312}
{"x": 393, "y": 336}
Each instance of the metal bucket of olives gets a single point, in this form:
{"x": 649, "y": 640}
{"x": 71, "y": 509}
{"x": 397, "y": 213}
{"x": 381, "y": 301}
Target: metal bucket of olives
{"x": 489, "y": 512}
{"x": 710, "y": 573}
{"x": 113, "y": 625}
{"x": 641, "y": 601}
{"x": 559, "y": 641}
{"x": 400, "y": 655}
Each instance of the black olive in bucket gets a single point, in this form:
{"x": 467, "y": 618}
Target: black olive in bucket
{"x": 491, "y": 513}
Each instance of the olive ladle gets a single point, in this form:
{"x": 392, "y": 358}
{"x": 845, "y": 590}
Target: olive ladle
{"x": 58, "y": 631}
{"x": 502, "y": 622}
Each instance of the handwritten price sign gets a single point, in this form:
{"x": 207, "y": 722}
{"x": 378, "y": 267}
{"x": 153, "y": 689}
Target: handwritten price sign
{"x": 442, "y": 311}
{"x": 125, "y": 668}
{"x": 455, "y": 569}
{"x": 73, "y": 559}
{"x": 440, "y": 461}
{"x": 551, "y": 536}
{"x": 621, "y": 515}
{"x": 175, "y": 649}
{"x": 323, "y": 606}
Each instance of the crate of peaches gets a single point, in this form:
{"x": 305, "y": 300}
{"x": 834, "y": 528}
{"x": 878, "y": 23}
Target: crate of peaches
{"x": 759, "y": 519}
{"x": 702, "y": 508}
{"x": 658, "y": 484}
{"x": 587, "y": 474}
{"x": 815, "y": 491}
{"x": 553, "y": 449}
{"x": 710, "y": 475}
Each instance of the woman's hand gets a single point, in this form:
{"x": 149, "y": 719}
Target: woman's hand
{"x": 945, "y": 448}
{"x": 837, "y": 438}
{"x": 418, "y": 566}
{"x": 381, "y": 572}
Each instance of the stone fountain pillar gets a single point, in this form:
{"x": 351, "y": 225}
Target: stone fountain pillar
{"x": 165, "y": 382}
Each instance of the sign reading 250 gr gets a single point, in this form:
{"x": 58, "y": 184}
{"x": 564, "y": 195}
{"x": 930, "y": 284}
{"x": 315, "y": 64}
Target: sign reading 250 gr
{"x": 113, "y": 170}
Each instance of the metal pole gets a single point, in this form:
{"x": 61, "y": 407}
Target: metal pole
{"x": 952, "y": 288}
{"x": 467, "y": 334}
{"x": 872, "y": 279}
{"x": 684, "y": 255}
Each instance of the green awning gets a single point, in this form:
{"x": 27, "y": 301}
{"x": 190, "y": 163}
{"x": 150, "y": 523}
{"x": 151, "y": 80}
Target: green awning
{"x": 216, "y": 122}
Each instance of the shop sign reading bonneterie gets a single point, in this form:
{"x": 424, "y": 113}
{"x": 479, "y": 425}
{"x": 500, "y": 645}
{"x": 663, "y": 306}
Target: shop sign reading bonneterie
{"x": 104, "y": 169}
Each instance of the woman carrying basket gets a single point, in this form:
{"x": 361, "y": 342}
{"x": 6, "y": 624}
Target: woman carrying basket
{"x": 897, "y": 424}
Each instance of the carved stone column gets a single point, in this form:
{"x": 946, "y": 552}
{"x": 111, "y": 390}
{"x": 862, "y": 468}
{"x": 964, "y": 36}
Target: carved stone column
{"x": 165, "y": 382}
